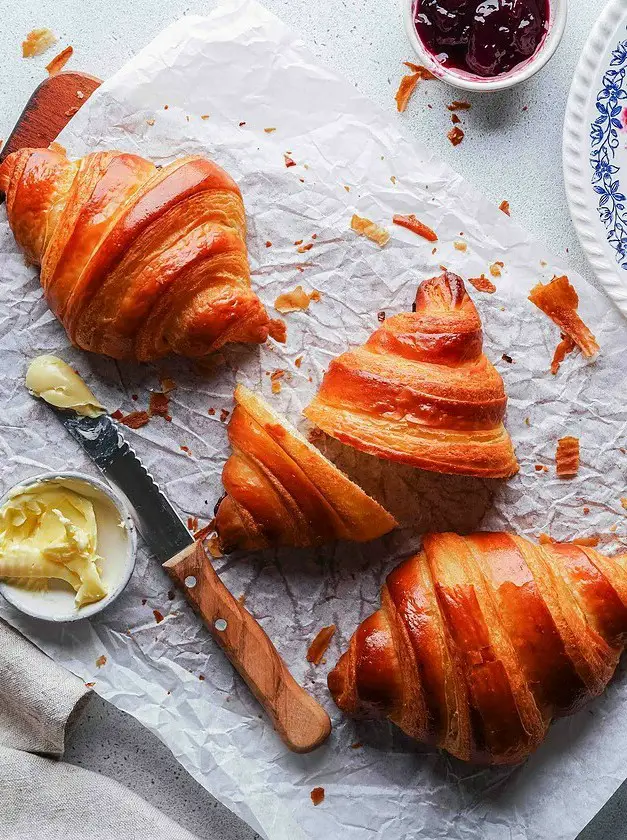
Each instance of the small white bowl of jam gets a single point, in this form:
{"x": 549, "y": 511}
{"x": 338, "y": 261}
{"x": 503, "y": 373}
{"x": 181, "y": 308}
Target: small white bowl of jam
{"x": 67, "y": 546}
{"x": 484, "y": 45}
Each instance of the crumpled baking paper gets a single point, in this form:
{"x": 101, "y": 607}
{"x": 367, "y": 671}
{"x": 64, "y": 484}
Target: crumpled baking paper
{"x": 245, "y": 70}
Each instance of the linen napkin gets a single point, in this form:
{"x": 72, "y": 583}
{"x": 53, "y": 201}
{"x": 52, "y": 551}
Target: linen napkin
{"x": 46, "y": 798}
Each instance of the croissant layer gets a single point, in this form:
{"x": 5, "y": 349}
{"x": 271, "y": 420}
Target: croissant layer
{"x": 280, "y": 490}
{"x": 137, "y": 261}
{"x": 421, "y": 391}
{"x": 482, "y": 640}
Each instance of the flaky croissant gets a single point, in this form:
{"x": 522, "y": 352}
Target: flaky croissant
{"x": 281, "y": 491}
{"x": 137, "y": 261}
{"x": 482, "y": 640}
{"x": 421, "y": 391}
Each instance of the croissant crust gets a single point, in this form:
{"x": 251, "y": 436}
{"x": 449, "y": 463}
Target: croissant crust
{"x": 137, "y": 261}
{"x": 280, "y": 490}
{"x": 482, "y": 640}
{"x": 421, "y": 391}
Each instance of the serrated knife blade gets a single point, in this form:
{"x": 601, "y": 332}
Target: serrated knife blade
{"x": 157, "y": 520}
{"x": 299, "y": 720}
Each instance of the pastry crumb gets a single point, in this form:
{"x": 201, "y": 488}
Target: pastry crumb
{"x": 459, "y": 105}
{"x": 496, "y": 269}
{"x": 101, "y": 661}
{"x": 295, "y": 301}
{"x": 410, "y": 222}
{"x": 319, "y": 646}
{"x": 456, "y": 135}
{"x": 405, "y": 90}
{"x": 134, "y": 420}
{"x": 567, "y": 457}
{"x": 59, "y": 61}
{"x": 504, "y": 208}
{"x": 566, "y": 346}
{"x": 369, "y": 229}
{"x": 482, "y": 284}
{"x": 317, "y": 795}
{"x": 37, "y": 42}
{"x": 559, "y": 300}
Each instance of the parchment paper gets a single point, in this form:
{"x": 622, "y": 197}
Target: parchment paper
{"x": 244, "y": 69}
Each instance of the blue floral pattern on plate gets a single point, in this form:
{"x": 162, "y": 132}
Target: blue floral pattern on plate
{"x": 604, "y": 136}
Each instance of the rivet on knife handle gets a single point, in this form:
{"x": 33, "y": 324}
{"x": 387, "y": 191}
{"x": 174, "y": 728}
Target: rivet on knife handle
{"x": 300, "y": 721}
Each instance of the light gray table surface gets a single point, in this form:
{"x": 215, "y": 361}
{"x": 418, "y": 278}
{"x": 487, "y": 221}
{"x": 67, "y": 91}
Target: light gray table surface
{"x": 512, "y": 150}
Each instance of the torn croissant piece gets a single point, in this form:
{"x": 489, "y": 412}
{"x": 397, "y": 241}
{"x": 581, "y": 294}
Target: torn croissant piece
{"x": 281, "y": 491}
{"x": 559, "y": 300}
{"x": 482, "y": 640}
{"x": 137, "y": 261}
{"x": 421, "y": 391}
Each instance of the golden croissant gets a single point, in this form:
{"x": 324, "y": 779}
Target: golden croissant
{"x": 281, "y": 491}
{"x": 137, "y": 261}
{"x": 482, "y": 640}
{"x": 421, "y": 391}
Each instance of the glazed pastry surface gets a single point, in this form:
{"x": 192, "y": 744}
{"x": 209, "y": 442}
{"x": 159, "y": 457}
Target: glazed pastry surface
{"x": 421, "y": 391}
{"x": 281, "y": 491}
{"x": 482, "y": 640}
{"x": 137, "y": 261}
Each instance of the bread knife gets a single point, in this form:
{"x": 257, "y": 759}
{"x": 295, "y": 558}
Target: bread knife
{"x": 299, "y": 720}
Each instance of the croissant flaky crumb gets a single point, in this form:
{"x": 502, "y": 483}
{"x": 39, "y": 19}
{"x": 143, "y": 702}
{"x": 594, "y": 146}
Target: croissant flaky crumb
{"x": 405, "y": 90}
{"x": 59, "y": 61}
{"x": 456, "y": 135}
{"x": 296, "y": 300}
{"x": 495, "y": 269}
{"x": 369, "y": 229}
{"x": 567, "y": 456}
{"x": 566, "y": 346}
{"x": 319, "y": 646}
{"x": 559, "y": 300}
{"x": 416, "y": 226}
{"x": 37, "y": 42}
{"x": 317, "y": 795}
{"x": 482, "y": 284}
{"x": 134, "y": 420}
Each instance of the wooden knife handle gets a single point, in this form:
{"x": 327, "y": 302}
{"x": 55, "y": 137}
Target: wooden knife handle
{"x": 300, "y": 721}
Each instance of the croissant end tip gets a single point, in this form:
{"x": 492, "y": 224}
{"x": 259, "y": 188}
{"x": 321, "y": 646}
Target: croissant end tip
{"x": 447, "y": 290}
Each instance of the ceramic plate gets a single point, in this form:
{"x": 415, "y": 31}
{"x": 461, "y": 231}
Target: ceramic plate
{"x": 595, "y": 150}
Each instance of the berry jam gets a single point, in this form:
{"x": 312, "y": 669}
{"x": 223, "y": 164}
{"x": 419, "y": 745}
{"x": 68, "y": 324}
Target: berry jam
{"x": 485, "y": 37}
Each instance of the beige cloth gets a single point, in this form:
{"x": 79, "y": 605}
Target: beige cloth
{"x": 40, "y": 796}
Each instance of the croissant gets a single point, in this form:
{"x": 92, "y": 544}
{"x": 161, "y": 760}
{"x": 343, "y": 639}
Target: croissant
{"x": 137, "y": 261}
{"x": 482, "y": 640}
{"x": 281, "y": 491}
{"x": 421, "y": 391}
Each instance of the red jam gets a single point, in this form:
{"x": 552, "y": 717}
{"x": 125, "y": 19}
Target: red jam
{"x": 485, "y": 37}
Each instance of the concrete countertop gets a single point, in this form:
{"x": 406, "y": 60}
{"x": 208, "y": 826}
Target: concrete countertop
{"x": 512, "y": 150}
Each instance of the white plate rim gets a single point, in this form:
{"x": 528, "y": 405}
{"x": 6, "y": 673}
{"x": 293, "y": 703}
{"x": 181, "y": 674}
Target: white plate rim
{"x": 575, "y": 154}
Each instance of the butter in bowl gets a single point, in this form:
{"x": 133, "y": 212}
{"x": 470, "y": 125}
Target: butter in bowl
{"x": 67, "y": 541}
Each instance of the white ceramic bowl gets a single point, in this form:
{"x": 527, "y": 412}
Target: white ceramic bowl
{"x": 117, "y": 549}
{"x": 470, "y": 81}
